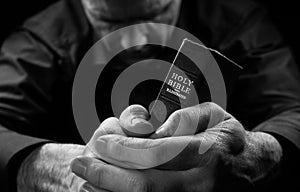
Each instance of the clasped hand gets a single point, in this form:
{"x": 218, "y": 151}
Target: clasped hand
{"x": 217, "y": 149}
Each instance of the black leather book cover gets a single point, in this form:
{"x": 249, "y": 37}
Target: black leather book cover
{"x": 186, "y": 82}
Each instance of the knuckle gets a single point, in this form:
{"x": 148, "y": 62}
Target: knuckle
{"x": 208, "y": 107}
{"x": 236, "y": 127}
{"x": 214, "y": 106}
{"x": 153, "y": 157}
{"x": 100, "y": 173}
{"x": 235, "y": 136}
{"x": 159, "y": 155}
{"x": 207, "y": 104}
{"x": 141, "y": 185}
{"x": 176, "y": 114}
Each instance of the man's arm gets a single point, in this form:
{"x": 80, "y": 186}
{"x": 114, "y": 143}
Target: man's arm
{"x": 27, "y": 76}
{"x": 267, "y": 97}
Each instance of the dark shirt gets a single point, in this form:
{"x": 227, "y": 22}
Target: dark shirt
{"x": 39, "y": 60}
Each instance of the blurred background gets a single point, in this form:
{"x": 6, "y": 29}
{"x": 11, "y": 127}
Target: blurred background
{"x": 283, "y": 13}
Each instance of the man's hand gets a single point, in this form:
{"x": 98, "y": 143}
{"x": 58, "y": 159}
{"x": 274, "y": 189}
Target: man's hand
{"x": 219, "y": 140}
{"x": 48, "y": 169}
{"x": 108, "y": 177}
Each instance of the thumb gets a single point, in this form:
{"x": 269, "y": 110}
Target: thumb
{"x": 107, "y": 127}
{"x": 192, "y": 120}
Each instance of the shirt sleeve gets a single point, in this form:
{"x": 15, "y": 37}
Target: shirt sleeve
{"x": 267, "y": 97}
{"x": 268, "y": 92}
{"x": 26, "y": 79}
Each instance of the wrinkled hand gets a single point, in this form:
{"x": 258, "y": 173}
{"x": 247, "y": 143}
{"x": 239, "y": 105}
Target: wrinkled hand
{"x": 101, "y": 176}
{"x": 220, "y": 141}
{"x": 47, "y": 169}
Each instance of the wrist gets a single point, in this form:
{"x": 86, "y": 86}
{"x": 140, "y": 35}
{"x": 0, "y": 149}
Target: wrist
{"x": 47, "y": 168}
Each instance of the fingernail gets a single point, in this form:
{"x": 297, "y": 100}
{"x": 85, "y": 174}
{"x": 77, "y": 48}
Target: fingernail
{"x": 158, "y": 131}
{"x": 79, "y": 166}
{"x": 86, "y": 188}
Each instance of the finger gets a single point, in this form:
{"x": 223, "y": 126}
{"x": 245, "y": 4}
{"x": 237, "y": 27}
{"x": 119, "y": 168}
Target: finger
{"x": 87, "y": 187}
{"x": 140, "y": 153}
{"x": 98, "y": 173}
{"x": 130, "y": 152}
{"x": 192, "y": 120}
{"x": 116, "y": 179}
{"x": 108, "y": 126}
{"x": 108, "y": 177}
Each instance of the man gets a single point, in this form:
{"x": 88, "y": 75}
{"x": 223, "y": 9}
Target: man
{"x": 38, "y": 63}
